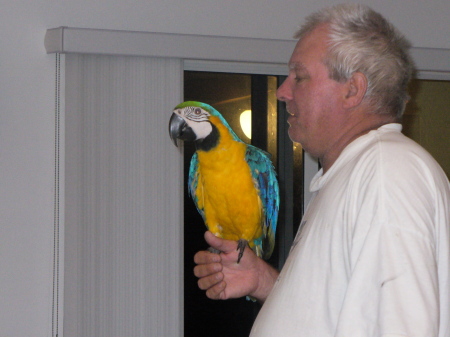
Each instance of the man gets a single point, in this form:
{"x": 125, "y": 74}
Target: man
{"x": 371, "y": 257}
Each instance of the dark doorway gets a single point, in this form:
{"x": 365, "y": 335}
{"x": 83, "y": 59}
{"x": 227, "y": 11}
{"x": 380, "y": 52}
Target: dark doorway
{"x": 234, "y": 95}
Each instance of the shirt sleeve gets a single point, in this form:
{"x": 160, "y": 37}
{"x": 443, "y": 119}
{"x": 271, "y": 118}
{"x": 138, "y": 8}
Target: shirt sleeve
{"x": 409, "y": 291}
{"x": 393, "y": 252}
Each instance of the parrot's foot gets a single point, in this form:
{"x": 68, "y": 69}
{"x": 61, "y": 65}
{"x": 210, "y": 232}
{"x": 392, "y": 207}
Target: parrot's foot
{"x": 241, "y": 247}
{"x": 214, "y": 250}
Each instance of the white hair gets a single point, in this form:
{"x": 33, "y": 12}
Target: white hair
{"x": 361, "y": 40}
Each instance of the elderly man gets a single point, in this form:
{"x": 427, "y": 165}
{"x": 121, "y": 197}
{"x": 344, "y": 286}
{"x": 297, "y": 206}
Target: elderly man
{"x": 371, "y": 257}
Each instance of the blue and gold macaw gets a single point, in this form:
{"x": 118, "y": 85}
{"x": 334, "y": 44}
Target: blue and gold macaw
{"x": 233, "y": 184}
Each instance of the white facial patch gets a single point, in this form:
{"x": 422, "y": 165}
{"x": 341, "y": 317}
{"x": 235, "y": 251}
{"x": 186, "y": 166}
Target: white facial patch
{"x": 197, "y": 119}
{"x": 201, "y": 129}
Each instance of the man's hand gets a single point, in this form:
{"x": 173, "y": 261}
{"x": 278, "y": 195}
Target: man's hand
{"x": 223, "y": 278}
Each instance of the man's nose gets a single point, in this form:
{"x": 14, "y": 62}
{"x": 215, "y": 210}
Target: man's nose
{"x": 284, "y": 91}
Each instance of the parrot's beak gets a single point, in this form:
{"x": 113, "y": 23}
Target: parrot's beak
{"x": 176, "y": 127}
{"x": 179, "y": 129}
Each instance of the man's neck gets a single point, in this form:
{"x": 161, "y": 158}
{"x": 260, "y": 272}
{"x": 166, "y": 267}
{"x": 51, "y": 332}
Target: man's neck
{"x": 354, "y": 130}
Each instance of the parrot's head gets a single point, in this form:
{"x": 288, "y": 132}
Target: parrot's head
{"x": 197, "y": 122}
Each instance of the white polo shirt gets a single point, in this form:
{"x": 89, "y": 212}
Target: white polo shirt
{"x": 372, "y": 255}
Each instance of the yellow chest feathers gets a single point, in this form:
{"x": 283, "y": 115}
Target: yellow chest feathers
{"x": 227, "y": 193}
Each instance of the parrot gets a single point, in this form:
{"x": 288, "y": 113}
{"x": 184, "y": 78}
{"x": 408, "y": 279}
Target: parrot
{"x": 233, "y": 184}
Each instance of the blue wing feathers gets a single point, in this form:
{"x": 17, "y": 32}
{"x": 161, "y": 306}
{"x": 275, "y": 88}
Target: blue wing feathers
{"x": 264, "y": 175}
{"x": 193, "y": 183}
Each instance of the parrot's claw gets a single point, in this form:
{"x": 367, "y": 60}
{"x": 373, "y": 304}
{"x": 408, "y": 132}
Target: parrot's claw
{"x": 241, "y": 247}
{"x": 214, "y": 250}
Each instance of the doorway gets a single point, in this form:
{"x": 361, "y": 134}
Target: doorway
{"x": 249, "y": 104}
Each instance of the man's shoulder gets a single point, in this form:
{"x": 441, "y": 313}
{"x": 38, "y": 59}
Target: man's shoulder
{"x": 393, "y": 149}
{"x": 388, "y": 155}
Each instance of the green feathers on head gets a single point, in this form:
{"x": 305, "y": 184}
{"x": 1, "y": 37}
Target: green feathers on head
{"x": 212, "y": 111}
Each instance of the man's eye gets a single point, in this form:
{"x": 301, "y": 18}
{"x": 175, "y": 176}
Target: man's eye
{"x": 298, "y": 79}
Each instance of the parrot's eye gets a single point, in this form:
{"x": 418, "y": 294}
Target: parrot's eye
{"x": 196, "y": 114}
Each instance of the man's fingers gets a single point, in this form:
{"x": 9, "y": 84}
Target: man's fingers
{"x": 209, "y": 271}
{"x": 210, "y": 281}
{"x": 209, "y": 266}
{"x": 205, "y": 257}
{"x": 203, "y": 270}
{"x": 217, "y": 292}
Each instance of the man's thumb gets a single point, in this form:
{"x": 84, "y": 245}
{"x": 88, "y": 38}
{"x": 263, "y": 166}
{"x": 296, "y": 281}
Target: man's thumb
{"x": 226, "y": 246}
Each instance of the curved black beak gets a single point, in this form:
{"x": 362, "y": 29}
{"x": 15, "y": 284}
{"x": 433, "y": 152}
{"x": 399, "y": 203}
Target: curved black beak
{"x": 179, "y": 129}
{"x": 176, "y": 126}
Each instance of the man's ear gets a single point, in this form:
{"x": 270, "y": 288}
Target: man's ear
{"x": 356, "y": 88}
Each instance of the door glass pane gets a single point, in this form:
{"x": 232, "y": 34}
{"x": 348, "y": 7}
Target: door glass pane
{"x": 230, "y": 94}
{"x": 427, "y": 118}
{"x": 272, "y": 125}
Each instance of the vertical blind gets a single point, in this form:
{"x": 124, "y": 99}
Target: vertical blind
{"x": 123, "y": 176}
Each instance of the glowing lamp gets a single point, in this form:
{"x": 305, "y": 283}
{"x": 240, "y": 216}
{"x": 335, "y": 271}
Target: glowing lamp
{"x": 246, "y": 123}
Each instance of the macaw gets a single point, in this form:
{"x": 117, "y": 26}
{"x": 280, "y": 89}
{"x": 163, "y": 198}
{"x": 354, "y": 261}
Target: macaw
{"x": 233, "y": 184}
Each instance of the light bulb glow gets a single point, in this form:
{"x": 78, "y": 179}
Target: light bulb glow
{"x": 246, "y": 123}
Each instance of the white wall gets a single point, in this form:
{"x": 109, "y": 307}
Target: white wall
{"x": 27, "y": 110}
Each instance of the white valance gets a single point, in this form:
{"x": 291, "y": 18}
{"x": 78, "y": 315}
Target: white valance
{"x": 432, "y": 63}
